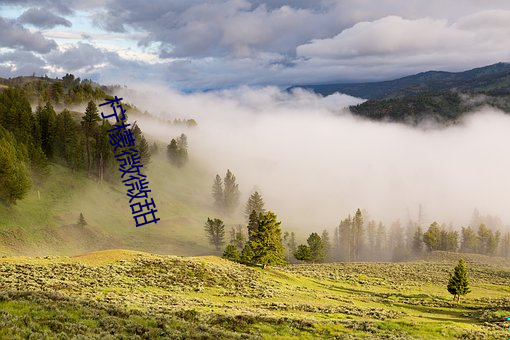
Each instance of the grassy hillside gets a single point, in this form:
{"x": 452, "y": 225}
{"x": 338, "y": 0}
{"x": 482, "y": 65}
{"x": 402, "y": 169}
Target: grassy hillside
{"x": 45, "y": 222}
{"x": 140, "y": 296}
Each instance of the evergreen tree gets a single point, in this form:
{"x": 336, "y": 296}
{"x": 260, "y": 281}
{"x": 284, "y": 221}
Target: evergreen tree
{"x": 237, "y": 237}
{"x": 217, "y": 193}
{"x": 89, "y": 123}
{"x": 451, "y": 242}
{"x": 303, "y": 253}
{"x": 215, "y": 230}
{"x": 266, "y": 241}
{"x": 154, "y": 149}
{"x": 289, "y": 240}
{"x": 66, "y": 138}
{"x": 230, "y": 192}
{"x": 247, "y": 254}
{"x": 487, "y": 240}
{"x": 345, "y": 231}
{"x": 16, "y": 114}
{"x": 326, "y": 243}
{"x": 253, "y": 225}
{"x": 177, "y": 151}
{"x": 14, "y": 175}
{"x": 371, "y": 238}
{"x": 46, "y": 117}
{"x": 505, "y": 245}
{"x": 336, "y": 245}
{"x": 432, "y": 237}
{"x": 458, "y": 283}
{"x": 104, "y": 155}
{"x": 231, "y": 253}
{"x": 316, "y": 247}
{"x": 141, "y": 145}
{"x": 81, "y": 220}
{"x": 255, "y": 203}
{"x": 357, "y": 234}
{"x": 381, "y": 239}
{"x": 469, "y": 241}
{"x": 418, "y": 241}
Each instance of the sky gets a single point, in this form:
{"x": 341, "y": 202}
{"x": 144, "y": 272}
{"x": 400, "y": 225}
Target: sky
{"x": 194, "y": 45}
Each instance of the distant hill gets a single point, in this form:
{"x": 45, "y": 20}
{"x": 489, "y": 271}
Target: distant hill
{"x": 439, "y": 96}
{"x": 494, "y": 79}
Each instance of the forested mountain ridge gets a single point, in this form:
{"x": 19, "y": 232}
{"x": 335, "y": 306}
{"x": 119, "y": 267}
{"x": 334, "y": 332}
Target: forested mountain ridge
{"x": 492, "y": 79}
{"x": 439, "y": 96}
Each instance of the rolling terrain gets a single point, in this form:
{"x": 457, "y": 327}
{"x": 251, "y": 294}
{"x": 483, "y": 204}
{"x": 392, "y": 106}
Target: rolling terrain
{"x": 135, "y": 295}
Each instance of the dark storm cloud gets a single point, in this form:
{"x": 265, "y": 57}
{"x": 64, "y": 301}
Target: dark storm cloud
{"x": 16, "y": 36}
{"x": 42, "y": 18}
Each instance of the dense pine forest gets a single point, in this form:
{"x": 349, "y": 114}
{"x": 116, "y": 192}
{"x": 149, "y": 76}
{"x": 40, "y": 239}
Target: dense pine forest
{"x": 33, "y": 138}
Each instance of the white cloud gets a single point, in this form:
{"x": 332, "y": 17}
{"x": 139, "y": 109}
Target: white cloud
{"x": 427, "y": 41}
{"x": 314, "y": 163}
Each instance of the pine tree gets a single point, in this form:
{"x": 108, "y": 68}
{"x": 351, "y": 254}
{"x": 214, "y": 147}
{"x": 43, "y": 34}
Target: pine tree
{"x": 470, "y": 243}
{"x": 141, "y": 145}
{"x": 66, "y": 138}
{"x": 458, "y": 283}
{"x": 247, "y": 254}
{"x": 154, "y": 149}
{"x": 345, "y": 233}
{"x": 89, "y": 122}
{"x": 177, "y": 151}
{"x": 255, "y": 203}
{"x": 303, "y": 253}
{"x": 217, "y": 193}
{"x": 215, "y": 230}
{"x": 418, "y": 241}
{"x": 46, "y": 118}
{"x": 81, "y": 220}
{"x": 266, "y": 241}
{"x": 14, "y": 175}
{"x": 237, "y": 237}
{"x": 316, "y": 247}
{"x": 432, "y": 237}
{"x": 371, "y": 238}
{"x": 357, "y": 234}
{"x": 381, "y": 246}
{"x": 253, "y": 225}
{"x": 505, "y": 245}
{"x": 326, "y": 243}
{"x": 289, "y": 240}
{"x": 231, "y": 253}
{"x": 230, "y": 192}
{"x": 336, "y": 245}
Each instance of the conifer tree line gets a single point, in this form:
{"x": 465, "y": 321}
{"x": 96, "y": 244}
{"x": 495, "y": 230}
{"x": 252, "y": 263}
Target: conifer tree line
{"x": 354, "y": 239}
{"x": 357, "y": 240}
{"x": 30, "y": 140}
{"x": 65, "y": 91}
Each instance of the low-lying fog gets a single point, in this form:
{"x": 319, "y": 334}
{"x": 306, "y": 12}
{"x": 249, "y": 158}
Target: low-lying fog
{"x": 315, "y": 163}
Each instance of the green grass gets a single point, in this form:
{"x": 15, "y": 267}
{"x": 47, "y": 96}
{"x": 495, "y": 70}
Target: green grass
{"x": 140, "y": 295}
{"x": 44, "y": 222}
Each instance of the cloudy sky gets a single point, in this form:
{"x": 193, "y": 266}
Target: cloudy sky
{"x": 199, "y": 44}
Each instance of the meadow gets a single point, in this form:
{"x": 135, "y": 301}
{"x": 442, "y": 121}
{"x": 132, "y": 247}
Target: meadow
{"x": 136, "y": 295}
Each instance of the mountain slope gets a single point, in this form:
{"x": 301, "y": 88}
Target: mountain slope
{"x": 492, "y": 78}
